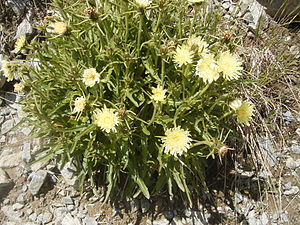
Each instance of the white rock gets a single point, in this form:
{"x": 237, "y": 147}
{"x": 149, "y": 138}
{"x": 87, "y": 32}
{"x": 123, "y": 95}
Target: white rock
{"x": 294, "y": 190}
{"x": 291, "y": 163}
{"x": 26, "y": 154}
{"x": 89, "y": 221}
{"x": 69, "y": 220}
{"x": 7, "y": 126}
{"x": 45, "y": 217}
{"x": 10, "y": 161}
{"x": 37, "y": 180}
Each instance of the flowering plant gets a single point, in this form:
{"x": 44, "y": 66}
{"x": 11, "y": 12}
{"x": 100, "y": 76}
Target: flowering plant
{"x": 139, "y": 91}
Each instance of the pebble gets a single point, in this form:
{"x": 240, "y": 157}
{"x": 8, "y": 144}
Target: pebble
{"x": 145, "y": 205}
{"x": 291, "y": 163}
{"x": 161, "y": 222}
{"x": 26, "y": 154}
{"x": 69, "y": 220}
{"x": 67, "y": 200}
{"x": 68, "y": 172}
{"x": 17, "y": 206}
{"x": 37, "y": 180}
{"x": 298, "y": 131}
{"x": 294, "y": 190}
{"x": 45, "y": 217}
{"x": 26, "y": 131}
{"x": 89, "y": 221}
{"x": 238, "y": 197}
{"x": 33, "y": 217}
{"x": 295, "y": 148}
{"x": 2, "y": 139}
{"x": 287, "y": 116}
{"x": 267, "y": 150}
{"x": 7, "y": 126}
{"x": 10, "y": 161}
{"x": 287, "y": 186}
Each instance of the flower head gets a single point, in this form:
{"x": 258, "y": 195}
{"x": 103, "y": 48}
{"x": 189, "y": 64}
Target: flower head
{"x": 143, "y": 3}
{"x": 5, "y": 68}
{"x": 20, "y": 43}
{"x": 80, "y": 103}
{"x": 229, "y": 65}
{"x": 60, "y": 28}
{"x": 183, "y": 55}
{"x": 19, "y": 87}
{"x": 107, "y": 119}
{"x": 198, "y": 44}
{"x": 243, "y": 109}
{"x": 158, "y": 94}
{"x": 207, "y": 69}
{"x": 177, "y": 141}
{"x": 90, "y": 77}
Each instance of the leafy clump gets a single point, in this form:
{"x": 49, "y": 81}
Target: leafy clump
{"x": 139, "y": 90}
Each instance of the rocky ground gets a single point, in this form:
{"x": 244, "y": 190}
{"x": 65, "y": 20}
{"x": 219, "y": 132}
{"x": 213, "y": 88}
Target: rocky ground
{"x": 251, "y": 187}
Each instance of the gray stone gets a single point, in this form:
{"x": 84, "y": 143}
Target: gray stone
{"x": 169, "y": 215}
{"x": 67, "y": 200}
{"x": 288, "y": 116}
{"x": 17, "y": 206}
{"x": 4, "y": 112}
{"x": 69, "y": 173}
{"x": 37, "y": 180}
{"x": 18, "y": 6}
{"x": 265, "y": 174}
{"x": 267, "y": 150}
{"x": 238, "y": 197}
{"x": 161, "y": 222}
{"x": 24, "y": 28}
{"x": 69, "y": 220}
{"x": 295, "y": 149}
{"x": 33, "y": 217}
{"x": 70, "y": 208}
{"x": 21, "y": 198}
{"x": 287, "y": 186}
{"x": 145, "y": 205}
{"x": 11, "y": 214}
{"x": 89, "y": 221}
{"x": 29, "y": 211}
{"x": 26, "y": 154}
{"x": 7, "y": 126}
{"x": 26, "y": 130}
{"x": 5, "y": 182}
{"x": 291, "y": 163}
{"x": 2, "y": 139}
{"x": 10, "y": 161}
{"x": 226, "y": 5}
{"x": 135, "y": 205}
{"x": 45, "y": 217}
{"x": 294, "y": 190}
{"x": 298, "y": 129}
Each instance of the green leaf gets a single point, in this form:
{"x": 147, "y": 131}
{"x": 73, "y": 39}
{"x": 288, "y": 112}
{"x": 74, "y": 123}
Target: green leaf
{"x": 142, "y": 186}
{"x": 178, "y": 180}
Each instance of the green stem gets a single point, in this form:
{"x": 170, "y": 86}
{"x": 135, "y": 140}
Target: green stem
{"x": 158, "y": 22}
{"x": 225, "y": 115}
{"x": 153, "y": 115}
{"x": 163, "y": 68}
{"x": 140, "y": 32}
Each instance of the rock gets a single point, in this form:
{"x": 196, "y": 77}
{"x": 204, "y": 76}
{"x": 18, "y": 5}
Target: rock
{"x": 5, "y": 182}
{"x": 291, "y": 163}
{"x": 26, "y": 154}
{"x": 169, "y": 215}
{"x": 134, "y": 205}
{"x": 287, "y": 186}
{"x": 10, "y": 161}
{"x": 26, "y": 130}
{"x": 11, "y": 214}
{"x": 89, "y": 221}
{"x": 295, "y": 149}
{"x": 294, "y": 190}
{"x": 21, "y": 199}
{"x": 69, "y": 173}
{"x": 267, "y": 150}
{"x": 298, "y": 131}
{"x": 45, "y": 217}
{"x": 180, "y": 221}
{"x": 33, "y": 217}
{"x": 24, "y": 28}
{"x": 259, "y": 15}
{"x": 287, "y": 116}
{"x": 7, "y": 126}
{"x": 238, "y": 197}
{"x": 161, "y": 222}
{"x": 37, "y": 180}
{"x": 226, "y": 4}
{"x": 69, "y": 220}
{"x": 2, "y": 139}
{"x": 145, "y": 205}
{"x": 263, "y": 219}
{"x": 265, "y": 174}
{"x": 67, "y": 200}
{"x": 17, "y": 206}
{"x": 18, "y": 6}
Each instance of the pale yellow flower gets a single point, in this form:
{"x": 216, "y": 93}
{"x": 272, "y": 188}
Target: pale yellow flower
{"x": 90, "y": 77}
{"x": 183, "y": 55}
{"x": 60, "y": 28}
{"x": 19, "y": 87}
{"x": 79, "y": 104}
{"x": 229, "y": 65}
{"x": 207, "y": 69}
{"x": 243, "y": 109}
{"x": 5, "y": 68}
{"x": 176, "y": 141}
{"x": 20, "y": 43}
{"x": 143, "y": 3}
{"x": 107, "y": 119}
{"x": 158, "y": 94}
{"x": 198, "y": 44}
